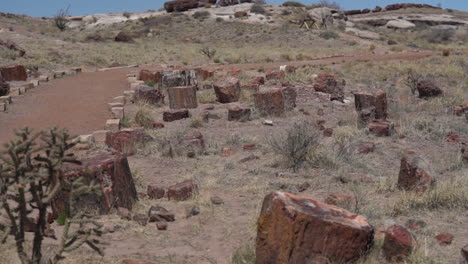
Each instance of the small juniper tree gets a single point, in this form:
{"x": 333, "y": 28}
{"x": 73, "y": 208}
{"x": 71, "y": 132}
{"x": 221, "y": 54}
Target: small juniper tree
{"x": 31, "y": 177}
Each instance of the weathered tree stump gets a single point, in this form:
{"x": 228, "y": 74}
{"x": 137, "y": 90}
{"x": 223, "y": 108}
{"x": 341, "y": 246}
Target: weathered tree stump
{"x": 182, "y": 97}
{"x": 178, "y": 78}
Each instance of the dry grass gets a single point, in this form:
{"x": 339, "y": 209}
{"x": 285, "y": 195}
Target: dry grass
{"x": 144, "y": 116}
{"x": 449, "y": 195}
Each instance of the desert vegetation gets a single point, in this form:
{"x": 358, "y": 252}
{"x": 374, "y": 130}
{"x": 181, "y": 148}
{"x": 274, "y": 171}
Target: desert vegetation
{"x": 206, "y": 131}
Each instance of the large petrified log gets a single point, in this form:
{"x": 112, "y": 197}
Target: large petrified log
{"x": 297, "y": 229}
{"x": 274, "y": 101}
{"x": 182, "y": 97}
{"x": 14, "y": 73}
{"x": 177, "y": 78}
{"x": 112, "y": 172}
{"x": 180, "y": 5}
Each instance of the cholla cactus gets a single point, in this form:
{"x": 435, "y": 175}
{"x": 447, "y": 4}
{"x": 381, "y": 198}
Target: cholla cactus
{"x": 31, "y": 176}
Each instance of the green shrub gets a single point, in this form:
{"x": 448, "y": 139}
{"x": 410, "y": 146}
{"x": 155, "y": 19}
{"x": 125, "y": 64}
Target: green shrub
{"x": 295, "y": 144}
{"x": 293, "y": 4}
{"x": 438, "y": 36}
{"x": 258, "y": 9}
{"x": 201, "y": 15}
{"x": 329, "y": 35}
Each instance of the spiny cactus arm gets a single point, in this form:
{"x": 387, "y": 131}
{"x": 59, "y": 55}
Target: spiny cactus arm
{"x": 14, "y": 225}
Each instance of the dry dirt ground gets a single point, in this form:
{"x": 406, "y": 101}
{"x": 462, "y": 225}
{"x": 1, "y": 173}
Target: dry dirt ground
{"x": 223, "y": 231}
{"x": 226, "y": 233}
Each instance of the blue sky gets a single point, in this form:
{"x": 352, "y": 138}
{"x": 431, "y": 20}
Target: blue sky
{"x": 48, "y": 8}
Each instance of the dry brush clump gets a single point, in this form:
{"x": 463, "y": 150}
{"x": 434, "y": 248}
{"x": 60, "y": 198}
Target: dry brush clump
{"x": 295, "y": 144}
{"x": 31, "y": 177}
{"x": 143, "y": 116}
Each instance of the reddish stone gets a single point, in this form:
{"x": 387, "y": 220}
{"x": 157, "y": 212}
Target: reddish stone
{"x": 111, "y": 172}
{"x": 178, "y": 78}
{"x": 239, "y": 14}
{"x": 124, "y": 213}
{"x": 377, "y": 9}
{"x": 254, "y": 83}
{"x": 328, "y": 132}
{"x": 370, "y": 104}
{"x": 9, "y": 44}
{"x": 226, "y": 152}
{"x": 181, "y": 97}
{"x": 353, "y": 12}
{"x": 275, "y": 75}
{"x": 234, "y": 72}
{"x": 275, "y": 101}
{"x": 157, "y": 125}
{"x": 428, "y": 89}
{"x": 194, "y": 140}
{"x": 327, "y": 83}
{"x": 227, "y": 90}
{"x": 402, "y": 6}
{"x": 398, "y": 243}
{"x": 260, "y": 80}
{"x": 365, "y": 147}
{"x": 303, "y": 187}
{"x": 174, "y": 115}
{"x": 381, "y": 128}
{"x": 464, "y": 153}
{"x": 251, "y": 157}
{"x": 237, "y": 113}
{"x": 14, "y": 73}
{"x": 453, "y": 137}
{"x": 161, "y": 225}
{"x": 149, "y": 76}
{"x": 160, "y": 214}
{"x": 444, "y": 239}
{"x": 4, "y": 86}
{"x": 155, "y": 192}
{"x": 464, "y": 253}
{"x": 141, "y": 219}
{"x": 180, "y": 5}
{"x": 182, "y": 191}
{"x": 320, "y": 112}
{"x": 249, "y": 146}
{"x": 125, "y": 141}
{"x": 292, "y": 229}
{"x": 414, "y": 174}
{"x": 340, "y": 200}
{"x": 459, "y": 110}
{"x": 216, "y": 200}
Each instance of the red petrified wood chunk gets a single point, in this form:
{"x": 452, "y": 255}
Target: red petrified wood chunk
{"x": 398, "y": 243}
{"x": 227, "y": 90}
{"x": 300, "y": 230}
{"x": 112, "y": 172}
{"x": 14, "y": 73}
{"x": 174, "y": 115}
{"x": 414, "y": 174}
{"x": 182, "y": 191}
